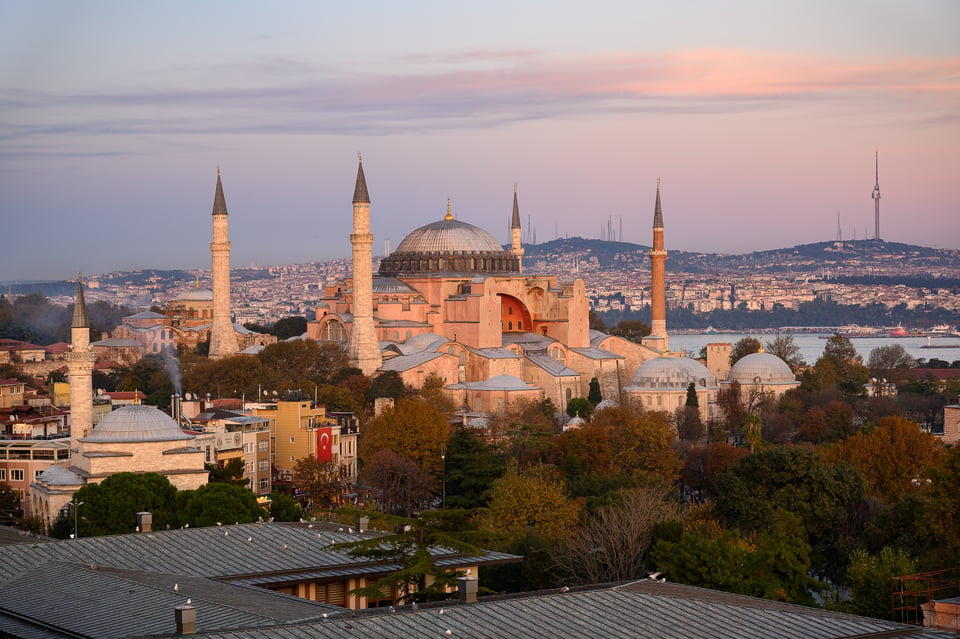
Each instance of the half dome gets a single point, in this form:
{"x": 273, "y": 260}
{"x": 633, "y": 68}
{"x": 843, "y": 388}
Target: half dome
{"x": 136, "y": 423}
{"x": 761, "y": 368}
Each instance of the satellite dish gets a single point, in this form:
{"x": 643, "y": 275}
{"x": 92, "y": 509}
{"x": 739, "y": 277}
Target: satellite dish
{"x": 275, "y": 393}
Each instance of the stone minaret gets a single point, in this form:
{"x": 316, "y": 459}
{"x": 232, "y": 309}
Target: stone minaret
{"x": 876, "y": 197}
{"x": 223, "y": 340}
{"x": 658, "y": 282}
{"x": 364, "y": 350}
{"x": 515, "y": 248}
{"x": 80, "y": 361}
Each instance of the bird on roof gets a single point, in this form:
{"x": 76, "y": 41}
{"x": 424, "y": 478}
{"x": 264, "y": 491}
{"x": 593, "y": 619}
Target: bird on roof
{"x": 249, "y": 539}
{"x": 219, "y": 524}
{"x": 189, "y": 601}
{"x": 176, "y": 587}
{"x": 414, "y": 606}
{"x": 441, "y": 611}
{"x": 392, "y": 610}
{"x": 449, "y": 633}
{"x": 340, "y": 529}
{"x": 226, "y": 533}
{"x": 653, "y": 576}
{"x": 324, "y": 615}
{"x": 565, "y": 589}
{"x": 283, "y": 547}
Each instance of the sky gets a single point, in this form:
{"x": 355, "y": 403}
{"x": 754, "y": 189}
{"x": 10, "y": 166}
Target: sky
{"x": 761, "y": 119}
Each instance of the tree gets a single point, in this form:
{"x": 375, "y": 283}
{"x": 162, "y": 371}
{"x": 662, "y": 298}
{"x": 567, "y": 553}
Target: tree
{"x": 597, "y": 323}
{"x": 305, "y": 360}
{"x": 412, "y": 428}
{"x": 633, "y": 330}
{"x": 704, "y": 464}
{"x": 889, "y": 357}
{"x": 870, "y": 579}
{"x": 939, "y": 518}
{"x": 744, "y": 347}
{"x": 579, "y": 407}
{"x": 284, "y": 507}
{"x": 319, "y": 481}
{"x": 784, "y": 347}
{"x": 400, "y": 483}
{"x": 110, "y": 507}
{"x": 533, "y": 498}
{"x": 613, "y": 544}
{"x": 213, "y": 504}
{"x": 895, "y": 457}
{"x": 387, "y": 384}
{"x": 732, "y": 408}
{"x": 798, "y": 481}
{"x": 229, "y": 473}
{"x": 689, "y": 424}
{"x": 432, "y": 392}
{"x": 10, "y": 511}
{"x": 594, "y": 396}
{"x": 526, "y": 430}
{"x": 472, "y": 465}
{"x": 288, "y": 327}
{"x": 640, "y": 441}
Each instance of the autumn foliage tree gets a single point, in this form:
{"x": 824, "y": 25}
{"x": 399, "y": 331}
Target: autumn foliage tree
{"x": 531, "y": 500}
{"x": 895, "y": 457}
{"x": 412, "y": 428}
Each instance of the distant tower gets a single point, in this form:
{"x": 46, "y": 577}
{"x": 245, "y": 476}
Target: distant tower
{"x": 80, "y": 361}
{"x": 515, "y": 248}
{"x": 876, "y": 197}
{"x": 658, "y": 281}
{"x": 364, "y": 350}
{"x": 223, "y": 340}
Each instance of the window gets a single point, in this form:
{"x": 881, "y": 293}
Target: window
{"x": 249, "y": 467}
{"x": 263, "y": 445}
{"x": 264, "y": 464}
{"x": 293, "y": 440}
{"x": 263, "y": 484}
{"x": 292, "y": 458}
{"x": 3, "y": 474}
{"x": 16, "y": 475}
{"x": 37, "y": 473}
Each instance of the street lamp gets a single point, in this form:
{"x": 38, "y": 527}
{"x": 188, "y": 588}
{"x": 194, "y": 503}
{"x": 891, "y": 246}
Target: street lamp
{"x": 76, "y": 509}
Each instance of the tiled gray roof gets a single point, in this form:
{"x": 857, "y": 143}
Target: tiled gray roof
{"x": 201, "y": 552}
{"x": 493, "y": 353}
{"x": 610, "y": 613}
{"x": 402, "y": 363}
{"x": 596, "y": 353}
{"x": 553, "y": 366}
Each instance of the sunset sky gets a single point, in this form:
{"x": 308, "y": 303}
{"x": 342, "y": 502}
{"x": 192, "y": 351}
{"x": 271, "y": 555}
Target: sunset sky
{"x": 760, "y": 118}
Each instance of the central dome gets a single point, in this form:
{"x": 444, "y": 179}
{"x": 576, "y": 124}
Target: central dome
{"x": 762, "y": 368}
{"x": 449, "y": 246}
{"x": 136, "y": 423}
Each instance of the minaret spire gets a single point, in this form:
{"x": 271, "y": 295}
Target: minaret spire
{"x": 876, "y": 196}
{"x": 80, "y": 361}
{"x": 363, "y": 347}
{"x": 658, "y": 283}
{"x": 515, "y": 248}
{"x": 223, "y": 339}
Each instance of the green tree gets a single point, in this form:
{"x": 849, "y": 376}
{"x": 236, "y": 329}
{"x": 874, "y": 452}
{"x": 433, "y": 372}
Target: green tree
{"x": 939, "y": 519}
{"x": 110, "y": 507}
{"x": 213, "y": 504}
{"x": 744, "y": 347}
{"x": 579, "y": 407}
{"x": 317, "y": 362}
{"x": 472, "y": 465}
{"x": 229, "y": 473}
{"x": 387, "y": 384}
{"x": 888, "y": 357}
{"x": 633, "y": 330}
{"x": 870, "y": 582}
{"x": 641, "y": 441}
{"x": 798, "y": 481}
{"x": 288, "y": 327}
{"x": 284, "y": 507}
{"x": 594, "y": 396}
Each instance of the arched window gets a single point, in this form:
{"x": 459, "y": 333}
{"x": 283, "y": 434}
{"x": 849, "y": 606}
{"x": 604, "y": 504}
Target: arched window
{"x": 509, "y": 310}
{"x": 509, "y": 326}
{"x": 519, "y": 325}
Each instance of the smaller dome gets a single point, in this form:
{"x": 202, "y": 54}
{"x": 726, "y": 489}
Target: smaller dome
{"x": 136, "y": 423}
{"x": 763, "y": 368}
{"x": 672, "y": 373}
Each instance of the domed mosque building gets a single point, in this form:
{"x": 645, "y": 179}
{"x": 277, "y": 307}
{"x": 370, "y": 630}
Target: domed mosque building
{"x": 762, "y": 372}
{"x": 452, "y": 301}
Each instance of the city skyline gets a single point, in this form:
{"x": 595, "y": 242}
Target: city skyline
{"x": 762, "y": 122}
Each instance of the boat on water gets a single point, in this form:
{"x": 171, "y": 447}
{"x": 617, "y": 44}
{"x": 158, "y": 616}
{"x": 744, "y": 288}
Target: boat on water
{"x": 853, "y": 331}
{"x": 900, "y": 331}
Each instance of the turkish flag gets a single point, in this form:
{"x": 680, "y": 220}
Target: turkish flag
{"x": 324, "y": 441}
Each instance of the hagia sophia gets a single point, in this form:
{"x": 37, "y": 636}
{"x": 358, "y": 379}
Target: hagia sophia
{"x": 451, "y": 301}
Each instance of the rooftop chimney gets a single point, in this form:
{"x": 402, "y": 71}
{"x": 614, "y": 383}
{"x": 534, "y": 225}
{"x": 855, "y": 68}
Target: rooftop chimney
{"x": 363, "y": 524}
{"x": 144, "y": 522}
{"x": 186, "y": 617}
{"x": 468, "y": 586}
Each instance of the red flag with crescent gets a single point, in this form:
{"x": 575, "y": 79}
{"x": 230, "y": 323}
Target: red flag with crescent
{"x": 324, "y": 444}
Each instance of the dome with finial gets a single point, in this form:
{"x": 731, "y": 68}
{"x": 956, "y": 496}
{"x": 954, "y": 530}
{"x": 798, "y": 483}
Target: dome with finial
{"x": 446, "y": 246}
{"x": 761, "y": 368}
{"x": 136, "y": 423}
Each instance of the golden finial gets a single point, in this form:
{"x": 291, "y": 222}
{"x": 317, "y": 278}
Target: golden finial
{"x": 658, "y": 184}
{"x": 359, "y": 156}
{"x": 449, "y": 215}
{"x": 514, "y": 188}
{"x": 761, "y": 347}
{"x": 136, "y": 397}
{"x": 218, "y": 170}
{"x": 197, "y": 285}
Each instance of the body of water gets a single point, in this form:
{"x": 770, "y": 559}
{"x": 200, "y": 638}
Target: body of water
{"x": 812, "y": 344}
